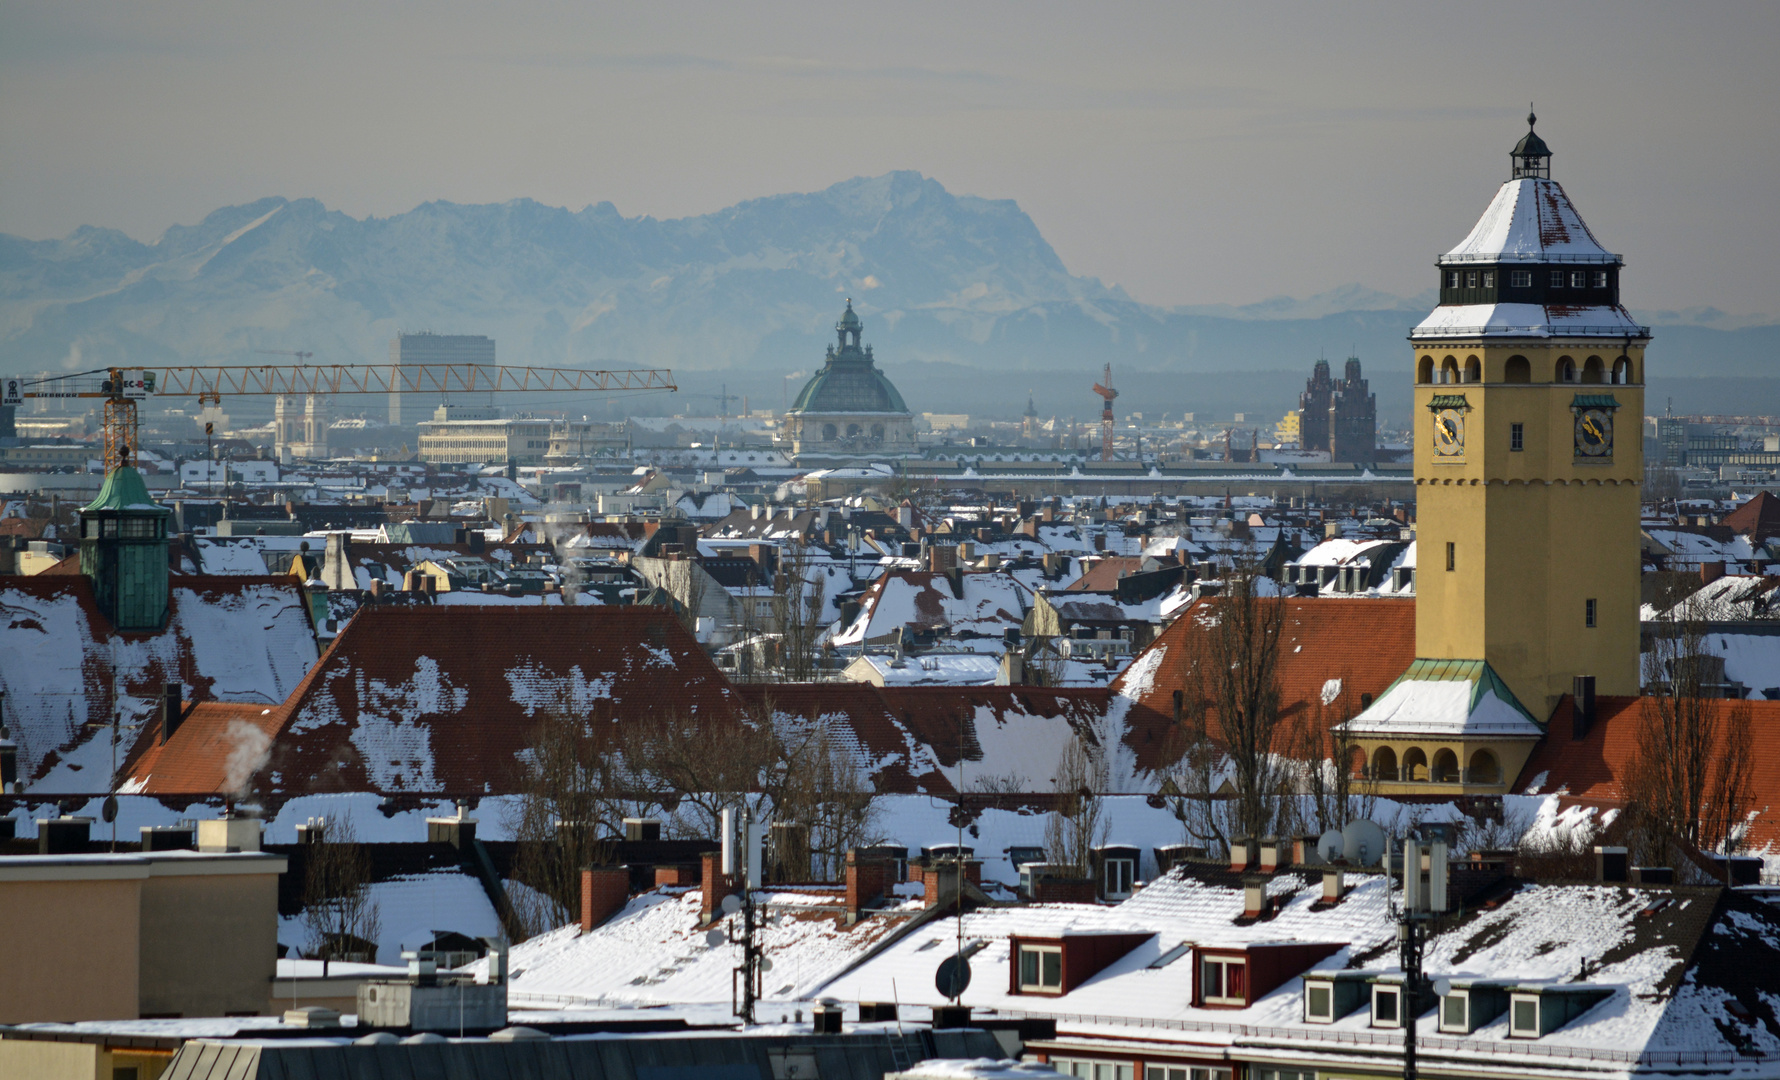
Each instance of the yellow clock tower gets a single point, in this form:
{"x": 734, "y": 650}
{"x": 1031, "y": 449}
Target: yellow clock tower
{"x": 1529, "y": 405}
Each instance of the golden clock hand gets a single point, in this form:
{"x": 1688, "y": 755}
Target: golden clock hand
{"x": 1588, "y": 425}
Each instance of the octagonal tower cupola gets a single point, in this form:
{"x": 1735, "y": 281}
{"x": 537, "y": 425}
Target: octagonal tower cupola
{"x": 123, "y": 552}
{"x": 1531, "y": 157}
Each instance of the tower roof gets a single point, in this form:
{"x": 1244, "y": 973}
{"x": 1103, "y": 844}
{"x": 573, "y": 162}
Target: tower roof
{"x": 849, "y": 321}
{"x": 1532, "y": 221}
{"x": 124, "y": 489}
{"x": 849, "y": 382}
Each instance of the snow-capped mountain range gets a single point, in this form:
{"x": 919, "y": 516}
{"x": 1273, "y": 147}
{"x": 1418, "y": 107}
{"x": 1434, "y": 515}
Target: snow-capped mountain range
{"x": 753, "y": 288}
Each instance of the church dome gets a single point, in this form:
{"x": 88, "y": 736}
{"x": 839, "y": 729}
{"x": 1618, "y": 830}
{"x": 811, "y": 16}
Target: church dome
{"x": 849, "y": 381}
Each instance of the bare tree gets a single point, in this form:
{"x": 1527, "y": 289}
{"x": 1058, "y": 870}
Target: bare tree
{"x": 337, "y": 906}
{"x": 798, "y": 598}
{"x": 1229, "y": 779}
{"x": 1336, "y": 786}
{"x": 816, "y": 783}
{"x": 1078, "y": 824}
{"x": 1689, "y": 775}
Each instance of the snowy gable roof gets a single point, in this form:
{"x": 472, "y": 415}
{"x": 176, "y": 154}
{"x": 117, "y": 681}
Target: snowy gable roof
{"x": 227, "y": 638}
{"x": 1530, "y": 220}
{"x": 981, "y": 604}
{"x": 1447, "y": 698}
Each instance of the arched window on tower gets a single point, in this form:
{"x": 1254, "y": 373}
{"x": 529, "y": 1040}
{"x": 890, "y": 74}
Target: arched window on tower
{"x": 1484, "y": 769}
{"x": 1446, "y": 767}
{"x": 1592, "y": 370}
{"x": 1622, "y": 370}
{"x": 1449, "y": 370}
{"x": 1415, "y": 765}
{"x": 1473, "y": 370}
{"x": 1384, "y": 764}
{"x": 1517, "y": 370}
{"x": 1566, "y": 369}
{"x": 1424, "y": 371}
{"x": 829, "y": 431}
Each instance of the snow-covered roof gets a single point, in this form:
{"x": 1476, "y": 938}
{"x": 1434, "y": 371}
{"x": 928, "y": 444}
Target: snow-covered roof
{"x": 1449, "y": 699}
{"x": 1530, "y": 220}
{"x": 976, "y": 669}
{"x": 1528, "y": 320}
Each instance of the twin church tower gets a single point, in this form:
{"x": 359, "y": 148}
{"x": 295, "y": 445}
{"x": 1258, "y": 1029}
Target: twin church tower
{"x": 1529, "y": 406}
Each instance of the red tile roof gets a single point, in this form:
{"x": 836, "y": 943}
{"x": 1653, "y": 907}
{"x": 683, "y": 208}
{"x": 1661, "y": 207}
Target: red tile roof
{"x": 1759, "y": 517}
{"x": 1595, "y": 767}
{"x": 444, "y": 699}
{"x": 1364, "y": 643}
{"x": 1104, "y": 574}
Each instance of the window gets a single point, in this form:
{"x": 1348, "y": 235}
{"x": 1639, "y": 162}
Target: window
{"x": 1489, "y": 279}
{"x": 1524, "y": 1018}
{"x": 1471, "y": 280}
{"x": 1171, "y": 955}
{"x": 1517, "y": 436}
{"x": 1041, "y": 968}
{"x": 1521, "y": 279}
{"x": 1319, "y": 1002}
{"x": 1452, "y": 1013}
{"x": 1116, "y": 876}
{"x": 1159, "y": 1072}
{"x": 1588, "y": 614}
{"x": 1452, "y": 279}
{"x": 1600, "y": 279}
{"x": 1578, "y": 279}
{"x": 1287, "y": 1074}
{"x": 1451, "y": 554}
{"x": 1384, "y": 1006}
{"x": 1093, "y": 1070}
{"x": 1223, "y": 980}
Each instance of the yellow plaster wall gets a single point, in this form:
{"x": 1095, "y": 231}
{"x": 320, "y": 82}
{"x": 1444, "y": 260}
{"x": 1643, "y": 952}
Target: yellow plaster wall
{"x": 209, "y": 943}
{"x": 1535, "y": 532}
{"x": 73, "y": 953}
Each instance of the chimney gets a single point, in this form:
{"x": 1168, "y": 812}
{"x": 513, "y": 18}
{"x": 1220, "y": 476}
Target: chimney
{"x": 1242, "y": 854}
{"x": 172, "y": 709}
{"x": 1276, "y": 855}
{"x": 1711, "y": 571}
{"x": 63, "y": 835}
{"x": 478, "y": 542}
{"x": 868, "y": 878}
{"x": 1612, "y": 864}
{"x": 1334, "y": 885}
{"x": 825, "y": 1019}
{"x": 1582, "y": 706}
{"x": 1653, "y": 875}
{"x": 1254, "y": 897}
{"x": 229, "y": 833}
{"x": 1304, "y": 852}
{"x": 604, "y": 890}
{"x": 714, "y": 885}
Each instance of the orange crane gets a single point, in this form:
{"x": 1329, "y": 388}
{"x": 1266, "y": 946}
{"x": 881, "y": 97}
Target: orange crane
{"x": 1105, "y": 390}
{"x": 122, "y": 388}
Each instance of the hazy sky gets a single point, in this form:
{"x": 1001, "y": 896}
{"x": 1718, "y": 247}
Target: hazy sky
{"x": 1192, "y": 154}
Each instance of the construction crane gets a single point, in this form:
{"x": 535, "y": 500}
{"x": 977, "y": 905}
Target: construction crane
{"x": 122, "y": 388}
{"x": 1107, "y": 393}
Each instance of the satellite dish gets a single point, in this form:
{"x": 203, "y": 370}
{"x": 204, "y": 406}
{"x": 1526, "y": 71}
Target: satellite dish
{"x": 1443, "y": 987}
{"x": 109, "y": 810}
{"x": 766, "y": 963}
{"x": 1331, "y": 845}
{"x": 953, "y": 977}
{"x": 1362, "y": 842}
{"x": 714, "y": 937}
{"x": 731, "y": 904}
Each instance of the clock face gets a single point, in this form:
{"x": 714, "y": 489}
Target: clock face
{"x": 1449, "y": 433}
{"x": 1594, "y": 433}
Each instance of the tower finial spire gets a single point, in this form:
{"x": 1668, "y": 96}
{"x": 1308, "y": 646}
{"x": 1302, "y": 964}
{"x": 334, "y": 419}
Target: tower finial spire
{"x": 1532, "y": 117}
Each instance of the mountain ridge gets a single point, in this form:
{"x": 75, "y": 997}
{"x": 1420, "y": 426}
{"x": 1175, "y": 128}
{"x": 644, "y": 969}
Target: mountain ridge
{"x": 753, "y": 287}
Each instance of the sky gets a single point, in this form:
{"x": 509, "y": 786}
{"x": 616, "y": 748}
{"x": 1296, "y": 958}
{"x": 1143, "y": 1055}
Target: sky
{"x": 1192, "y": 154}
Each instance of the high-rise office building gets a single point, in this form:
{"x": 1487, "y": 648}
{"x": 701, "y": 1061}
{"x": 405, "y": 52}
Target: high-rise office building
{"x": 427, "y": 347}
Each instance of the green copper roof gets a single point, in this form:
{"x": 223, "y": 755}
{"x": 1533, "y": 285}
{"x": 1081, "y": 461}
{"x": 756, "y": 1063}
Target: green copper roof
{"x": 849, "y": 382}
{"x": 1448, "y": 401}
{"x": 849, "y": 320}
{"x": 1594, "y": 401}
{"x": 1478, "y": 673}
{"x": 125, "y": 490}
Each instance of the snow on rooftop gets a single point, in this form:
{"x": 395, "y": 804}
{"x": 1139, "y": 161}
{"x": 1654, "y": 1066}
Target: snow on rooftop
{"x": 1530, "y": 220}
{"x": 1528, "y": 320}
{"x": 1443, "y": 707}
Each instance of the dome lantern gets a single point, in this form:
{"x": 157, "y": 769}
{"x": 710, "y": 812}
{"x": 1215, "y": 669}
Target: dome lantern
{"x": 1531, "y": 157}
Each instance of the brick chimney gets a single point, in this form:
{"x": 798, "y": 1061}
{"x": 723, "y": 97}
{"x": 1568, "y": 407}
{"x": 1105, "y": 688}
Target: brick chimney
{"x": 868, "y": 878}
{"x": 1711, "y": 571}
{"x": 1276, "y": 855}
{"x": 1254, "y": 897}
{"x": 1334, "y": 885}
{"x": 714, "y": 885}
{"x": 604, "y": 890}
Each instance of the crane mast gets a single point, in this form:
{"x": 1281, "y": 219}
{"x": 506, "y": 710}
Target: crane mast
{"x": 1107, "y": 393}
{"x": 123, "y": 388}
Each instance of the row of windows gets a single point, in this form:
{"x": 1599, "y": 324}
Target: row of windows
{"x": 1415, "y": 767}
{"x": 1462, "y": 1010}
{"x": 1518, "y": 369}
{"x": 133, "y": 528}
{"x": 1523, "y": 279}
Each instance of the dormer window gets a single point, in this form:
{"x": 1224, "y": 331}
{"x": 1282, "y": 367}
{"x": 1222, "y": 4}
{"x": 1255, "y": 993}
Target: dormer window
{"x": 1489, "y": 279}
{"x": 1387, "y": 1006}
{"x": 1523, "y": 1019}
{"x": 1118, "y": 875}
{"x": 1600, "y": 279}
{"x": 1452, "y": 279}
{"x": 1578, "y": 279}
{"x": 1041, "y": 969}
{"x": 1557, "y": 279}
{"x": 1471, "y": 280}
{"x": 1521, "y": 279}
{"x": 1223, "y": 980}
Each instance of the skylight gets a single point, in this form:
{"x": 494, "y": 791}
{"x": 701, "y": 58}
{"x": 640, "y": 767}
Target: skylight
{"x": 1171, "y": 955}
